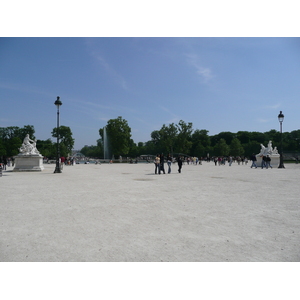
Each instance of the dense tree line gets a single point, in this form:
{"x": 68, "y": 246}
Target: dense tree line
{"x": 182, "y": 138}
{"x": 11, "y": 139}
{"x": 171, "y": 138}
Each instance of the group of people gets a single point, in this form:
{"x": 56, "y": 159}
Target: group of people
{"x": 160, "y": 161}
{"x": 221, "y": 160}
{"x": 265, "y": 161}
{"x": 4, "y": 162}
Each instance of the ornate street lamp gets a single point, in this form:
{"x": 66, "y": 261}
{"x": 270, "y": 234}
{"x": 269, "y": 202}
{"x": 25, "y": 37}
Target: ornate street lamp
{"x": 280, "y": 119}
{"x": 58, "y": 103}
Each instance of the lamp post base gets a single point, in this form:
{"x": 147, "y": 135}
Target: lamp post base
{"x": 281, "y": 165}
{"x": 57, "y": 168}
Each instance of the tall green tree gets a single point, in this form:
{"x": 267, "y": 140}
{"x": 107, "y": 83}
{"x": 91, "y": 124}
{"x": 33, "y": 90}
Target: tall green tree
{"x": 46, "y": 148}
{"x": 184, "y": 137}
{"x": 200, "y": 143}
{"x": 251, "y": 147}
{"x": 243, "y": 136}
{"x": 225, "y": 135}
{"x": 27, "y": 129}
{"x": 294, "y": 141}
{"x": 167, "y": 135}
{"x": 221, "y": 148}
{"x": 13, "y": 145}
{"x": 119, "y": 134}
{"x": 2, "y": 148}
{"x": 236, "y": 148}
{"x": 12, "y": 137}
{"x": 156, "y": 140}
{"x": 66, "y": 140}
{"x": 258, "y": 137}
{"x": 150, "y": 148}
{"x": 92, "y": 151}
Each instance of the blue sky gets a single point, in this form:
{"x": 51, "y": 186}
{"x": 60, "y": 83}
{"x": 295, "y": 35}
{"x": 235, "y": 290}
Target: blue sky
{"x": 218, "y": 84}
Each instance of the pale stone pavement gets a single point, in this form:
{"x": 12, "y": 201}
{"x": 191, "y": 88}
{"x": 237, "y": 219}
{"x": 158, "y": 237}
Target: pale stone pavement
{"x": 124, "y": 212}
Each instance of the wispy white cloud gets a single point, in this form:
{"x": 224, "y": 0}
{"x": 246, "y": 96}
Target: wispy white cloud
{"x": 174, "y": 117}
{"x": 92, "y": 51}
{"x": 273, "y": 106}
{"x": 93, "y": 104}
{"x": 204, "y": 72}
{"x": 6, "y": 120}
{"x": 261, "y": 120}
{"x": 24, "y": 88}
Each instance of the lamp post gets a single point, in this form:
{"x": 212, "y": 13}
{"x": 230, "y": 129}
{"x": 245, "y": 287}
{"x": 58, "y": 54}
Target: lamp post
{"x": 280, "y": 119}
{"x": 58, "y": 103}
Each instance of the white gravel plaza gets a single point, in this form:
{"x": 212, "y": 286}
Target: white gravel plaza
{"x": 126, "y": 213}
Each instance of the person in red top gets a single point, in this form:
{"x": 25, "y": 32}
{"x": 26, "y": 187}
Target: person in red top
{"x": 62, "y": 161}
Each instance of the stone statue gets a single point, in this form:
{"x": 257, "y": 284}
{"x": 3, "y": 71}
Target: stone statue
{"x": 270, "y": 149}
{"x": 27, "y": 148}
{"x": 262, "y": 150}
{"x": 267, "y": 151}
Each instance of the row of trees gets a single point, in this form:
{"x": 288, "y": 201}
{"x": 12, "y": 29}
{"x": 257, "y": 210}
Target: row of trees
{"x": 182, "y": 138}
{"x": 11, "y": 139}
{"x": 171, "y": 138}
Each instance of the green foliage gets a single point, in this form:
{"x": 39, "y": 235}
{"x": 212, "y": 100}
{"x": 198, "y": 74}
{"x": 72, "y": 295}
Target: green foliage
{"x": 66, "y": 141}
{"x": 165, "y": 138}
{"x": 46, "y": 148}
{"x": 119, "y": 136}
{"x": 183, "y": 140}
{"x": 251, "y": 147}
{"x": 2, "y": 148}
{"x": 13, "y": 145}
{"x": 92, "y": 151}
{"x": 225, "y": 135}
{"x": 200, "y": 143}
{"x": 221, "y": 148}
{"x": 236, "y": 148}
{"x": 172, "y": 138}
{"x": 11, "y": 138}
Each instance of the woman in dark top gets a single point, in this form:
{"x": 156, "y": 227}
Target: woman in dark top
{"x": 179, "y": 161}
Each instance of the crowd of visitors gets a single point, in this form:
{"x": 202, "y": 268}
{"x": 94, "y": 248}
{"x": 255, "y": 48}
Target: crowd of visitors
{"x": 218, "y": 161}
{"x": 6, "y": 162}
{"x": 160, "y": 160}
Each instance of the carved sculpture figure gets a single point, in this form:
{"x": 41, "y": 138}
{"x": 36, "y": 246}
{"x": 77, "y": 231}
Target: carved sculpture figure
{"x": 27, "y": 148}
{"x": 268, "y": 151}
{"x": 262, "y": 150}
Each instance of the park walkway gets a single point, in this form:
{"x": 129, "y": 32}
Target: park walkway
{"x": 124, "y": 212}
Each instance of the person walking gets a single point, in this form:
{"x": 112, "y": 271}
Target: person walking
{"x": 263, "y": 162}
{"x": 215, "y": 160}
{"x": 169, "y": 162}
{"x": 179, "y": 161}
{"x": 4, "y": 162}
{"x": 162, "y": 163}
{"x": 157, "y": 163}
{"x": 253, "y": 158}
{"x": 268, "y": 162}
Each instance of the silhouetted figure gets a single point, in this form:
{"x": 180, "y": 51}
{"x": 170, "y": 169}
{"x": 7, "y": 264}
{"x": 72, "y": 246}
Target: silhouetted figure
{"x": 179, "y": 162}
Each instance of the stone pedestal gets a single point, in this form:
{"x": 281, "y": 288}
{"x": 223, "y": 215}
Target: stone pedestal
{"x": 275, "y": 159}
{"x": 28, "y": 163}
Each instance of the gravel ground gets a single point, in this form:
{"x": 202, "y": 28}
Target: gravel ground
{"x": 126, "y": 213}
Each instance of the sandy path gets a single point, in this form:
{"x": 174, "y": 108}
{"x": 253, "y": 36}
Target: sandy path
{"x": 123, "y": 212}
